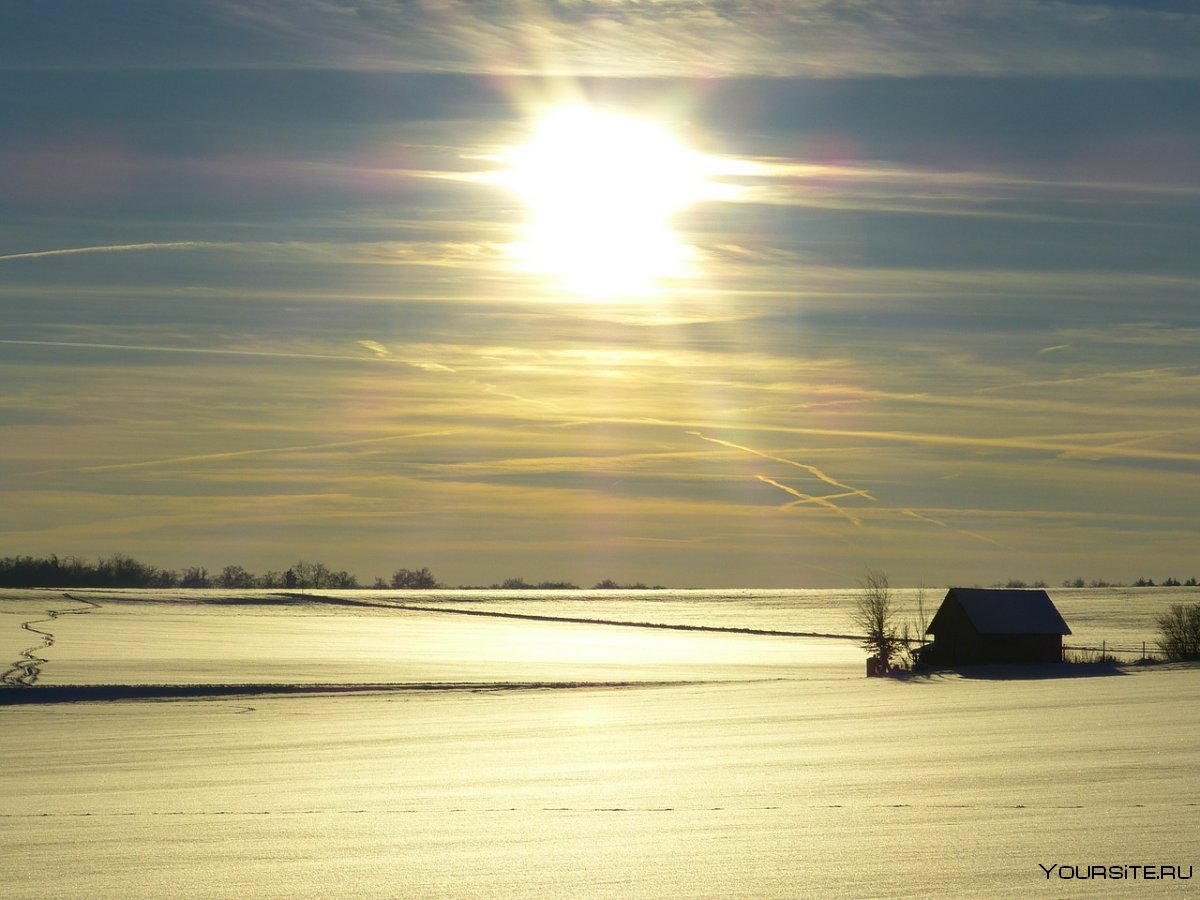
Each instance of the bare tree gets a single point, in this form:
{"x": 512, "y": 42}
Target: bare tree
{"x": 1179, "y": 632}
{"x": 912, "y": 634}
{"x": 874, "y": 615}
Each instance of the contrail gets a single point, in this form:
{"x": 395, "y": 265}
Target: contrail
{"x": 263, "y": 451}
{"x": 810, "y": 499}
{"x": 812, "y": 470}
{"x": 932, "y": 439}
{"x": 370, "y": 346}
{"x": 932, "y": 521}
{"x": 204, "y": 351}
{"x": 806, "y": 498}
{"x": 111, "y": 248}
{"x": 917, "y": 515}
{"x": 496, "y": 392}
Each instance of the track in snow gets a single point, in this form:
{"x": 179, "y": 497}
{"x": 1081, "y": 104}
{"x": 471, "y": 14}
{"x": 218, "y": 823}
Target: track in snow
{"x": 25, "y": 670}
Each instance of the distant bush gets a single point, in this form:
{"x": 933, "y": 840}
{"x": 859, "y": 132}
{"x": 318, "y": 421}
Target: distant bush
{"x": 317, "y": 575}
{"x": 235, "y": 577}
{"x": 195, "y": 577}
{"x": 520, "y": 584}
{"x": 413, "y": 579}
{"x": 1179, "y": 632}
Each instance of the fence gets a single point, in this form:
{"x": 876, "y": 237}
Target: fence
{"x": 1122, "y": 652}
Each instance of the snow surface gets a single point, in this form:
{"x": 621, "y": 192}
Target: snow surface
{"x": 724, "y": 765}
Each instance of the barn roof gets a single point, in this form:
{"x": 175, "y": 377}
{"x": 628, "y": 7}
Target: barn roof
{"x": 994, "y": 611}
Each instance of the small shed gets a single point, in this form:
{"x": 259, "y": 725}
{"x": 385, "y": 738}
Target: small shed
{"x": 977, "y": 626}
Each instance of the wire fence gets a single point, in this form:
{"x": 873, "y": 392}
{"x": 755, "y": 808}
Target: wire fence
{"x": 1121, "y": 652}
{"x": 1142, "y": 650}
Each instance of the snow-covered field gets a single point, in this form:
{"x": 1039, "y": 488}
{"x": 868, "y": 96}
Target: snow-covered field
{"x": 502, "y": 757}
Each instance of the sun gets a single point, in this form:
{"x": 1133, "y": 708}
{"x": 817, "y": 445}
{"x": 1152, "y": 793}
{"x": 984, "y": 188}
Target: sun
{"x": 601, "y": 189}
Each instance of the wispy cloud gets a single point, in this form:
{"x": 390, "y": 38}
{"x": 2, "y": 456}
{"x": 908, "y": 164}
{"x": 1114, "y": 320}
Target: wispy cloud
{"x": 981, "y": 193}
{"x": 293, "y": 290}
{"x": 945, "y": 439}
{"x": 1147, "y": 334}
{"x": 1118, "y": 376}
{"x": 375, "y": 347}
{"x": 667, "y": 37}
{"x": 263, "y": 451}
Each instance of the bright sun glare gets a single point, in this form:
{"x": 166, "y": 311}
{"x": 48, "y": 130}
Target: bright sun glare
{"x": 601, "y": 189}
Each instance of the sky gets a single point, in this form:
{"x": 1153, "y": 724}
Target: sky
{"x": 274, "y": 285}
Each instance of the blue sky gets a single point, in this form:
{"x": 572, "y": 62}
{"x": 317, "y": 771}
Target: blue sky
{"x": 259, "y": 302}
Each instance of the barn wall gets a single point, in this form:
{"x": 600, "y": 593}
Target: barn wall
{"x": 957, "y": 643}
{"x": 971, "y": 648}
{"x": 956, "y": 640}
{"x": 1022, "y": 648}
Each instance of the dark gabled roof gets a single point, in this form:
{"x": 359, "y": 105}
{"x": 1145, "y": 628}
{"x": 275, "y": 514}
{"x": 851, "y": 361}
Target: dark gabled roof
{"x": 994, "y": 611}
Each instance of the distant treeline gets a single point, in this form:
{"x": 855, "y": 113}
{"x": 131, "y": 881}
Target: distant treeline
{"x": 1101, "y": 583}
{"x": 122, "y": 571}
{"x": 520, "y": 584}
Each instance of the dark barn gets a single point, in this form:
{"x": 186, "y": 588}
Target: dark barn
{"x": 976, "y": 626}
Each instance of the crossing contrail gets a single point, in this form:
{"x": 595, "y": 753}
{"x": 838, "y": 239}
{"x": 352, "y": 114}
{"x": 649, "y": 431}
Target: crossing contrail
{"x": 812, "y": 470}
{"x": 807, "y": 498}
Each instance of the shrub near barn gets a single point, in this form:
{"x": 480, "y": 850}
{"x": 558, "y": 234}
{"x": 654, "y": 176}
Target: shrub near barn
{"x": 1179, "y": 632}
